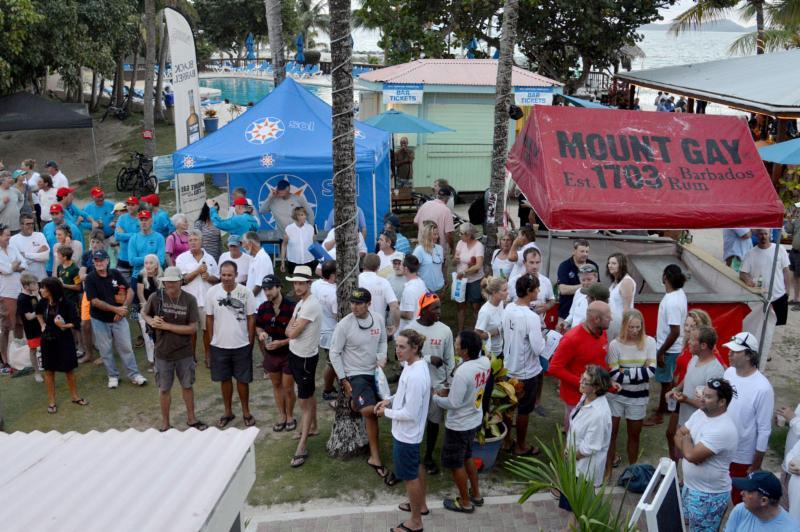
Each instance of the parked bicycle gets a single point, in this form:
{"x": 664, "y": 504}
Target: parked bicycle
{"x": 138, "y": 178}
{"x": 121, "y": 112}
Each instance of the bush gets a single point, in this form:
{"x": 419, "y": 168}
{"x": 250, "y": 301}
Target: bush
{"x": 312, "y": 56}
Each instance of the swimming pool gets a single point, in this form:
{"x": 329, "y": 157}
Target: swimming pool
{"x": 242, "y": 91}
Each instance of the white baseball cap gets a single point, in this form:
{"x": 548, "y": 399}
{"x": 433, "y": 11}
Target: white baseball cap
{"x": 742, "y": 341}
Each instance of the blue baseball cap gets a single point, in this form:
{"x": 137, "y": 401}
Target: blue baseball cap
{"x": 100, "y": 254}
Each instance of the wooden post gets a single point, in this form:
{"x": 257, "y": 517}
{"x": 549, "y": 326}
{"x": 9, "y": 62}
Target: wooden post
{"x": 690, "y": 105}
{"x": 781, "y": 135}
{"x": 631, "y": 95}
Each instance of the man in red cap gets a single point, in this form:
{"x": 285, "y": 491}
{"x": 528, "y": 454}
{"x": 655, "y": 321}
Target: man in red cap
{"x": 127, "y": 226}
{"x": 144, "y": 243}
{"x": 72, "y": 212}
{"x": 240, "y": 223}
{"x": 101, "y": 211}
{"x": 161, "y": 222}
{"x": 58, "y": 218}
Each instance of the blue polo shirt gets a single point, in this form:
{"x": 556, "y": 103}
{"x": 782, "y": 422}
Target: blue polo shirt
{"x": 162, "y": 224}
{"x": 102, "y": 213}
{"x": 140, "y": 245}
{"x": 129, "y": 226}
{"x": 238, "y": 224}
{"x": 72, "y": 213}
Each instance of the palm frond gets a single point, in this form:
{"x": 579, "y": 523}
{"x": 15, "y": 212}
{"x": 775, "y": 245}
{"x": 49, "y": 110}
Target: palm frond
{"x": 785, "y": 12}
{"x": 703, "y": 12}
{"x": 775, "y": 39}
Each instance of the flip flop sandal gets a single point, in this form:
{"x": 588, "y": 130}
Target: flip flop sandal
{"x": 249, "y": 421}
{"x": 454, "y": 506}
{"x": 532, "y": 451}
{"x": 52, "y": 409}
{"x": 199, "y": 425}
{"x": 165, "y": 429}
{"x": 291, "y": 425}
{"x": 404, "y": 528}
{"x": 475, "y": 501}
{"x": 224, "y": 420}
{"x": 80, "y": 402}
{"x": 380, "y": 470}
{"x": 390, "y": 480}
{"x": 298, "y": 460}
{"x": 279, "y": 427}
{"x": 406, "y": 507}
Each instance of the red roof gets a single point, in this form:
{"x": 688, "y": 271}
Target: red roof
{"x": 474, "y": 72}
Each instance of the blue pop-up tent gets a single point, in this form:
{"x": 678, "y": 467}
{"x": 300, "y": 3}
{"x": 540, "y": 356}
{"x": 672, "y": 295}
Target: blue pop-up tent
{"x": 287, "y": 135}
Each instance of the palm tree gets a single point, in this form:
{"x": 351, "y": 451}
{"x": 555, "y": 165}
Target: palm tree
{"x": 705, "y": 11}
{"x": 311, "y": 17}
{"x": 348, "y": 436}
{"x": 782, "y": 33}
{"x": 501, "y": 105}
{"x": 276, "y": 45}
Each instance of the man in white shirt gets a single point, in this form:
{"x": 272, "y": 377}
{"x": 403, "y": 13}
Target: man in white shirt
{"x": 522, "y": 344}
{"x": 330, "y": 244}
{"x": 707, "y": 443}
{"x": 756, "y": 270}
{"x": 751, "y": 408}
{"x": 59, "y": 179}
{"x": 398, "y": 277}
{"x": 12, "y": 263}
{"x": 412, "y": 291}
{"x": 230, "y": 316}
{"x": 234, "y": 254}
{"x": 532, "y": 260}
{"x": 303, "y": 333}
{"x": 200, "y": 271}
{"x": 526, "y": 239}
{"x": 703, "y": 367}
{"x": 324, "y": 289}
{"x": 32, "y": 245}
{"x": 588, "y": 275}
{"x": 464, "y": 404}
{"x": 260, "y": 265}
{"x": 381, "y": 291}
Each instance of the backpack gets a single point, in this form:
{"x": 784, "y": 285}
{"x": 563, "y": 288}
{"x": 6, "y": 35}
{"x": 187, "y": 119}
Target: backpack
{"x": 635, "y": 478}
{"x": 477, "y": 212}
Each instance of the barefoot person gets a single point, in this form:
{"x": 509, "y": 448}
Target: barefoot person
{"x": 408, "y": 409}
{"x": 172, "y": 314}
{"x": 358, "y": 348}
{"x": 230, "y": 316}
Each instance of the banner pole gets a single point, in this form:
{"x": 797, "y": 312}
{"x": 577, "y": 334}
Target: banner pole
{"x": 767, "y": 301}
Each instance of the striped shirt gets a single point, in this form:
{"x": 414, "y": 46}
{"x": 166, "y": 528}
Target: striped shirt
{"x": 632, "y": 367}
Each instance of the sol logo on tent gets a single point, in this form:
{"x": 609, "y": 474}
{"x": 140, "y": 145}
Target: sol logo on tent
{"x": 264, "y": 130}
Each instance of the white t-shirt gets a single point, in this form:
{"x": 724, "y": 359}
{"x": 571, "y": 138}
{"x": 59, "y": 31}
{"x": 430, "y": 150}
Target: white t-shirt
{"x": 751, "y": 409}
{"x": 9, "y": 279}
{"x": 331, "y": 236}
{"x": 545, "y": 290}
{"x": 466, "y": 257}
{"x": 697, "y": 376}
{"x": 758, "y": 263}
{"x": 792, "y": 438}
{"x": 577, "y": 311}
{"x": 380, "y": 289}
{"x": 33, "y": 183}
{"x": 412, "y": 291}
{"x": 306, "y": 345}
{"x": 490, "y": 318}
{"x": 501, "y": 267}
{"x": 522, "y": 341}
{"x": 438, "y": 343}
{"x": 718, "y": 434}
{"x": 671, "y": 311}
{"x": 230, "y": 312}
{"x": 46, "y": 199}
{"x": 260, "y": 267}
{"x": 60, "y": 181}
{"x": 28, "y": 246}
{"x": 519, "y": 265}
{"x": 409, "y": 411}
{"x": 299, "y": 240}
{"x": 242, "y": 265}
{"x": 325, "y": 293}
{"x": 186, "y": 263}
{"x": 386, "y": 269}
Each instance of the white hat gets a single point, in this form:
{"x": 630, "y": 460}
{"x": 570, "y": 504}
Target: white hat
{"x": 396, "y": 256}
{"x": 172, "y": 274}
{"x": 301, "y": 273}
{"x": 742, "y": 341}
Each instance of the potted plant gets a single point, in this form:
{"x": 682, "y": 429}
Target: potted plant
{"x": 494, "y": 428}
{"x": 210, "y": 120}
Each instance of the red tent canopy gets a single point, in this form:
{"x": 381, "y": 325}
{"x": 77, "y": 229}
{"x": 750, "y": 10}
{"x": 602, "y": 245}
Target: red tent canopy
{"x": 606, "y": 169}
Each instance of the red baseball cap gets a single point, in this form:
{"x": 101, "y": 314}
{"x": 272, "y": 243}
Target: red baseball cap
{"x": 63, "y": 191}
{"x": 240, "y": 201}
{"x": 152, "y": 199}
{"x": 132, "y": 200}
{"x": 56, "y": 208}
{"x": 96, "y": 192}
{"x": 145, "y": 215}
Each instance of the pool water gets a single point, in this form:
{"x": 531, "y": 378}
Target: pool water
{"x": 242, "y": 91}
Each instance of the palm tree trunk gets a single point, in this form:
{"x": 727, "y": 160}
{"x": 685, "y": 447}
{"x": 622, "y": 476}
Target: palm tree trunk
{"x": 119, "y": 80}
{"x": 500, "y": 142}
{"x": 760, "y": 38}
{"x": 150, "y": 65}
{"x": 158, "y": 109}
{"x": 94, "y": 90}
{"x": 276, "y": 47}
{"x": 348, "y": 437}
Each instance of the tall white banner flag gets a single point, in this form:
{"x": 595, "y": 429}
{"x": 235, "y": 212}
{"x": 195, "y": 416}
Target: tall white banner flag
{"x": 190, "y": 188}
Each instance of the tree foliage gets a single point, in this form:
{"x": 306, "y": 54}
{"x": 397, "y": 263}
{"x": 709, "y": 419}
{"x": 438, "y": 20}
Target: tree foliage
{"x": 312, "y": 17}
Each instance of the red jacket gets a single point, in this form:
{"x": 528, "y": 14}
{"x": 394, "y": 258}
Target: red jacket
{"x": 576, "y": 350}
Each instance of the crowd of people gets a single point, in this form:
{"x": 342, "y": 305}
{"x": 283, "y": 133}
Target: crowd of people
{"x": 68, "y": 296}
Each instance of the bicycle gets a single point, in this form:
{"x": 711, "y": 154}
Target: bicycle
{"x": 121, "y": 112}
{"x": 138, "y": 178}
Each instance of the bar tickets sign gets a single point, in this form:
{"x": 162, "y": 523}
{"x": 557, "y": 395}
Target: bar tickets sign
{"x": 643, "y": 169}
{"x": 533, "y": 96}
{"x": 403, "y": 93}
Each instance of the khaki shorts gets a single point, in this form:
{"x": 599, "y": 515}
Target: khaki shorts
{"x": 624, "y": 410}
{"x": 8, "y": 313}
{"x": 167, "y": 370}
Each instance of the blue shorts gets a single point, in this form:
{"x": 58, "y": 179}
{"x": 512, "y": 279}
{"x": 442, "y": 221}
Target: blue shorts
{"x": 406, "y": 460}
{"x": 665, "y": 374}
{"x": 704, "y": 511}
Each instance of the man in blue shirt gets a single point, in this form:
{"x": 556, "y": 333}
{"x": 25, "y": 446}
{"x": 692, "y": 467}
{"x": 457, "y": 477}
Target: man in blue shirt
{"x": 49, "y": 231}
{"x": 127, "y": 226}
{"x": 240, "y": 223}
{"x": 144, "y": 243}
{"x": 101, "y": 211}
{"x": 161, "y": 222}
{"x": 72, "y": 212}
{"x": 760, "y": 509}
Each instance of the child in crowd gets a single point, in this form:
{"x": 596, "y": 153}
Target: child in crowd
{"x": 26, "y": 310}
{"x": 68, "y": 273}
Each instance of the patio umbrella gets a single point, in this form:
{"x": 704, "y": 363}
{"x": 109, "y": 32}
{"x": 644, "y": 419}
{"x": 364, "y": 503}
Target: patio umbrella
{"x": 471, "y": 47}
{"x": 249, "y": 44}
{"x": 299, "y": 57}
{"x": 496, "y": 53}
{"x": 787, "y": 152}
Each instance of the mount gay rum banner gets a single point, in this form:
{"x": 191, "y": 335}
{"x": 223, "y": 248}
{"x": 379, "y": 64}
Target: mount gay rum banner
{"x": 608, "y": 169}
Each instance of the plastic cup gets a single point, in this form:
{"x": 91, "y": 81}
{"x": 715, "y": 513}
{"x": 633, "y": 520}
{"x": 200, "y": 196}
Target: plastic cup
{"x": 698, "y": 391}
{"x": 780, "y": 420}
{"x": 672, "y": 403}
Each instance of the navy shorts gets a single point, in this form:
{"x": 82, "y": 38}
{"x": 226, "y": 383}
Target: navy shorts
{"x": 457, "y": 447}
{"x": 365, "y": 391}
{"x": 406, "y": 460}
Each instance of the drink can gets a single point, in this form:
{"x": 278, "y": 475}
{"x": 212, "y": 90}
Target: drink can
{"x": 672, "y": 403}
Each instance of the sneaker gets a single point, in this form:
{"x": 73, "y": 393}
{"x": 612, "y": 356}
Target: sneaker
{"x": 139, "y": 380}
{"x": 6, "y": 370}
{"x": 38, "y": 377}
{"x": 113, "y": 383}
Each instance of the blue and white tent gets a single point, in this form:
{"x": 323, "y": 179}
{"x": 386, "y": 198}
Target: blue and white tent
{"x": 287, "y": 135}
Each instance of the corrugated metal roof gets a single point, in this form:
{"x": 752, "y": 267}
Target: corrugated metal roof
{"x": 131, "y": 480}
{"x": 474, "y": 72}
{"x": 762, "y": 83}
